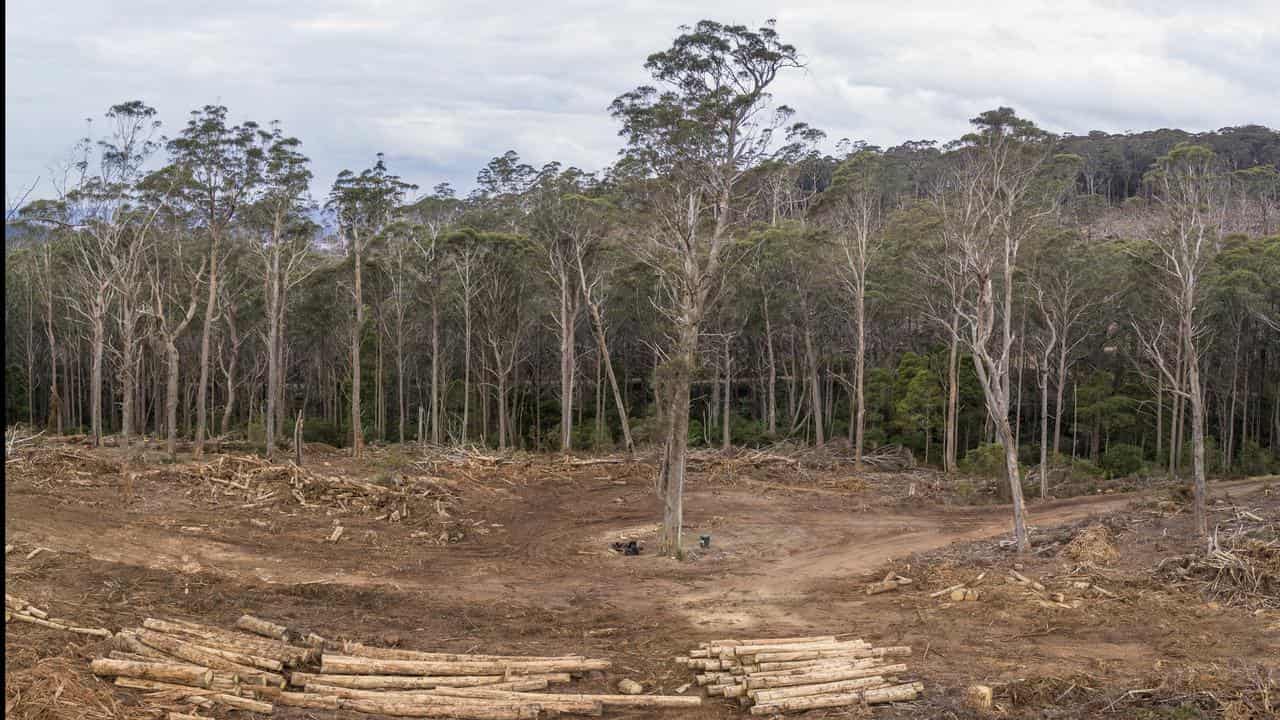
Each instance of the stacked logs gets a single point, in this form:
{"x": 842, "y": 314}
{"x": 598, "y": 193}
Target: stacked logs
{"x": 256, "y": 668}
{"x": 778, "y": 675}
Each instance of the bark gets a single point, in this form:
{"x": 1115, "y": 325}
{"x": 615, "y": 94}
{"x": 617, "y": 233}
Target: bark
{"x": 726, "y": 438}
{"x": 355, "y": 665}
{"x": 436, "y": 395}
{"x": 771, "y": 396}
{"x": 164, "y": 672}
{"x": 97, "y": 347}
{"x": 953, "y": 397}
{"x": 811, "y": 361}
{"x": 568, "y": 360}
{"x": 206, "y": 344}
{"x": 1196, "y": 398}
{"x": 859, "y": 373}
{"x": 672, "y": 473}
{"x": 357, "y": 432}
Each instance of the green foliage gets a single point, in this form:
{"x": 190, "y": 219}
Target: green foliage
{"x": 1257, "y": 460}
{"x": 986, "y": 460}
{"x": 315, "y": 430}
{"x": 1122, "y": 459}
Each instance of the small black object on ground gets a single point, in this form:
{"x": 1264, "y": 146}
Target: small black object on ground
{"x": 705, "y": 540}
{"x": 630, "y": 547}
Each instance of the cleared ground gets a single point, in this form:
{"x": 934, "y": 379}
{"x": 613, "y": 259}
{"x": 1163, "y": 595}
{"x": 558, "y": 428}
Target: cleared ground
{"x": 513, "y": 556}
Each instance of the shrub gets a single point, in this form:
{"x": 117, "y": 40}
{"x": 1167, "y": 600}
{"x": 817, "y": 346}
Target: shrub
{"x": 1257, "y": 460}
{"x": 314, "y": 430}
{"x": 1122, "y": 459}
{"x": 986, "y": 460}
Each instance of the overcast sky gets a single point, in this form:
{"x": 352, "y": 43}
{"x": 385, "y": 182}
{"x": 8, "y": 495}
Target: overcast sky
{"x": 442, "y": 87}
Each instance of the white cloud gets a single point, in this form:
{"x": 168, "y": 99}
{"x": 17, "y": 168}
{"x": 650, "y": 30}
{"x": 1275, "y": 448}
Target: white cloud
{"x": 441, "y": 86}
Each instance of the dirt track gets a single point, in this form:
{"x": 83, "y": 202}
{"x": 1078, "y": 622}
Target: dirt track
{"x": 535, "y": 574}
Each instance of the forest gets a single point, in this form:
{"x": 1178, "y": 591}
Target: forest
{"x": 1012, "y": 301}
{"x": 751, "y": 421}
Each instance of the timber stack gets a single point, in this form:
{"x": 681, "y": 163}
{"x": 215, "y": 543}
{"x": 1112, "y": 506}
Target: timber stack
{"x": 258, "y": 666}
{"x": 793, "y": 674}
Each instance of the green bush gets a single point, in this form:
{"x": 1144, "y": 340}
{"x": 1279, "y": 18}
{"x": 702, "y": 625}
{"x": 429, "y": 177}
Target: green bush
{"x": 314, "y": 430}
{"x": 1257, "y": 460}
{"x": 1122, "y": 459}
{"x": 986, "y": 460}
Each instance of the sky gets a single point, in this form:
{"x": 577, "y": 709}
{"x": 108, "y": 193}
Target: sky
{"x": 442, "y": 87}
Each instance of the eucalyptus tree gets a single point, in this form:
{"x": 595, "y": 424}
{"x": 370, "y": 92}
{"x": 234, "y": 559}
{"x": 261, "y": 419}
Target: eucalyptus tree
{"x": 282, "y": 232}
{"x": 554, "y": 214}
{"x": 594, "y": 224}
{"x": 110, "y": 222}
{"x": 690, "y": 144}
{"x": 1189, "y": 187}
{"x": 170, "y": 268}
{"x": 218, "y": 167}
{"x": 364, "y": 206}
{"x": 861, "y": 194}
{"x": 993, "y": 198}
{"x": 431, "y": 219}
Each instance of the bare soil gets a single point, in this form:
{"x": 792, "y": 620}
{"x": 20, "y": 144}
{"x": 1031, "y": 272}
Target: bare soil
{"x": 520, "y": 562}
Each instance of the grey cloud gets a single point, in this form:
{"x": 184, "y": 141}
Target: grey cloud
{"x": 441, "y": 87}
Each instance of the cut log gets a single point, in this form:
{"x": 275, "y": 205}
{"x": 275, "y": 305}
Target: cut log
{"x": 234, "y": 641}
{"x": 195, "y": 694}
{"x": 651, "y": 701}
{"x": 265, "y": 628}
{"x": 130, "y": 643}
{"x": 978, "y": 697}
{"x": 398, "y": 708}
{"x": 309, "y": 700}
{"x": 743, "y": 650}
{"x": 23, "y": 617}
{"x": 164, "y": 672}
{"x": 1023, "y": 579}
{"x": 843, "y": 686}
{"x": 802, "y": 666}
{"x": 627, "y": 686}
{"x": 151, "y": 637}
{"x": 393, "y": 682}
{"x": 352, "y": 665}
{"x": 203, "y": 656}
{"x": 359, "y": 650}
{"x": 892, "y": 651}
{"x": 887, "y": 585}
{"x": 895, "y": 693}
{"x": 946, "y": 590}
{"x": 573, "y": 705}
{"x": 761, "y": 683}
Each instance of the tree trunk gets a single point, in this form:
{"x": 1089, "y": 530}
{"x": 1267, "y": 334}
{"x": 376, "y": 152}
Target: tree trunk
{"x": 811, "y": 357}
{"x": 726, "y": 438}
{"x": 466, "y": 363}
{"x": 672, "y": 473}
{"x": 953, "y": 397}
{"x": 357, "y": 434}
{"x": 771, "y": 397}
{"x": 1197, "y": 431}
{"x": 273, "y": 356}
{"x": 859, "y": 372}
{"x": 436, "y": 416}
{"x": 95, "y": 378}
{"x": 568, "y": 314}
{"x": 206, "y": 344}
{"x": 1062, "y": 386}
{"x": 171, "y": 399}
{"x": 1044, "y": 431}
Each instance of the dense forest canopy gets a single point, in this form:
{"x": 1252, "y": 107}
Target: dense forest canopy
{"x": 1008, "y": 301}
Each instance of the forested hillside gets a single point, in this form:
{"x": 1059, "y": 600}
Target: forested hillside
{"x": 1108, "y": 294}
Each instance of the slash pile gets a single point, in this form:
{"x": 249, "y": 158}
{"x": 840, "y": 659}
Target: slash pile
{"x": 178, "y": 661}
{"x": 777, "y": 675}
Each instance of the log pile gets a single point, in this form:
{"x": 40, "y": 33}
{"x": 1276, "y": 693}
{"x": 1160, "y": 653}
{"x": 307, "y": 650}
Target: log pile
{"x": 16, "y": 608}
{"x": 792, "y": 674}
{"x": 258, "y": 666}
